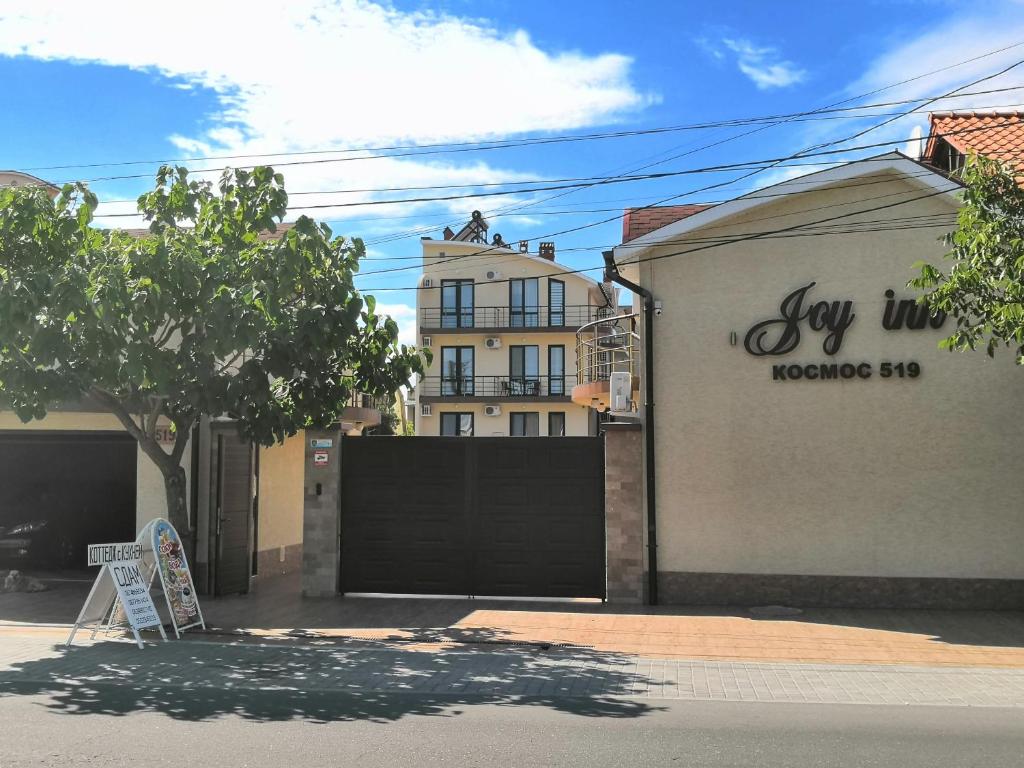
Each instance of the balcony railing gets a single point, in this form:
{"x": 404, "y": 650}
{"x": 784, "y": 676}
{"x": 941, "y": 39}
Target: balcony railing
{"x": 539, "y": 317}
{"x": 491, "y": 387}
{"x": 361, "y": 400}
{"x": 607, "y": 346}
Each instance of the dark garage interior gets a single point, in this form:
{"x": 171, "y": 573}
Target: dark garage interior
{"x": 60, "y": 491}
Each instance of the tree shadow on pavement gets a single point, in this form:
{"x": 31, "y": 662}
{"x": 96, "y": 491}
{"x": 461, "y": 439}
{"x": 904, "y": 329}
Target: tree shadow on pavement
{"x": 199, "y": 681}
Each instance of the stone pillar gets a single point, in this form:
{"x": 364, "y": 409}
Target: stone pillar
{"x": 624, "y": 513}
{"x": 321, "y": 513}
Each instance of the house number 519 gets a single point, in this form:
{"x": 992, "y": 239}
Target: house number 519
{"x": 899, "y": 370}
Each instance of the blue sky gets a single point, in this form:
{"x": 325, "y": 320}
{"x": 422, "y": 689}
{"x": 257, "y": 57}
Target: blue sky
{"x": 118, "y": 81}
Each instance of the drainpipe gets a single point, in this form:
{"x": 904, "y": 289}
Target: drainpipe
{"x": 611, "y": 273}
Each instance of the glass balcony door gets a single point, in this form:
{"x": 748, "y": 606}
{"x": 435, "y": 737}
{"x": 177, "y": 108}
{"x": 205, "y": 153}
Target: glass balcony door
{"x": 524, "y": 303}
{"x": 457, "y": 303}
{"x": 556, "y": 370}
{"x": 524, "y": 370}
{"x": 556, "y": 302}
{"x": 456, "y": 370}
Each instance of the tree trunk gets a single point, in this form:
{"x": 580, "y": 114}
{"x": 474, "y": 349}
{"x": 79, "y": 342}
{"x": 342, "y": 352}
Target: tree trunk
{"x": 177, "y": 500}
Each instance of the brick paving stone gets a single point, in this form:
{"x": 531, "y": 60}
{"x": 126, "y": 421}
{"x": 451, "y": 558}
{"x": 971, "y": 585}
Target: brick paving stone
{"x": 503, "y": 673}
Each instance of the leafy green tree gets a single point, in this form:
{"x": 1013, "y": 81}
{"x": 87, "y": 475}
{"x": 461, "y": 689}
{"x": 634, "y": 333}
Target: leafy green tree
{"x": 209, "y": 313}
{"x": 983, "y": 286}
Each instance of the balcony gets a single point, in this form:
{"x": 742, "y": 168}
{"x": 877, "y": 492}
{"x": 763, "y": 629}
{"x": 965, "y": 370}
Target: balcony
{"x": 496, "y": 319}
{"x": 493, "y": 389}
{"x": 606, "y": 346}
{"x": 362, "y": 411}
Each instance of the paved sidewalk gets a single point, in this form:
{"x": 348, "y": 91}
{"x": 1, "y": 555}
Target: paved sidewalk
{"x": 275, "y": 610}
{"x": 204, "y": 678}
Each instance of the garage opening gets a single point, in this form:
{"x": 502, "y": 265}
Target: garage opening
{"x": 59, "y": 492}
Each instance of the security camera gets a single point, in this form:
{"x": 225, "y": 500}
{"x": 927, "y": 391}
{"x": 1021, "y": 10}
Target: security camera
{"x": 657, "y": 308}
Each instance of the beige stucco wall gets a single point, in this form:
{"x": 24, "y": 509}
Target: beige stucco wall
{"x": 150, "y": 500}
{"x": 880, "y": 477}
{"x": 452, "y": 260}
{"x": 281, "y": 494}
{"x": 576, "y": 418}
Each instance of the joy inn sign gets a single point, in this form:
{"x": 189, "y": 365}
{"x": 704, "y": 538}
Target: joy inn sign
{"x": 831, "y": 319}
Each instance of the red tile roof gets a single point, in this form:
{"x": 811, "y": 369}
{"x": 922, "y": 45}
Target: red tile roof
{"x": 998, "y": 135}
{"x": 640, "y": 221}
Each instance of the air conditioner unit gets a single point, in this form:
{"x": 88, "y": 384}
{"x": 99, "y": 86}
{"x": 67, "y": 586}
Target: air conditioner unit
{"x": 492, "y": 342}
{"x": 492, "y": 410}
{"x": 426, "y": 341}
{"x": 620, "y": 392}
{"x": 427, "y": 282}
{"x": 425, "y": 409}
{"x": 493, "y": 274}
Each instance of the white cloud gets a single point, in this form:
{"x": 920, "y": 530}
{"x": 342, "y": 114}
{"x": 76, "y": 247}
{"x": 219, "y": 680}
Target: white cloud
{"x": 405, "y": 316}
{"x": 337, "y": 73}
{"x": 930, "y": 51}
{"x": 906, "y": 58}
{"x": 763, "y": 65}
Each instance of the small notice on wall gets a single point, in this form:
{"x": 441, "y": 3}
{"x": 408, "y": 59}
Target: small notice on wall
{"x": 320, "y": 458}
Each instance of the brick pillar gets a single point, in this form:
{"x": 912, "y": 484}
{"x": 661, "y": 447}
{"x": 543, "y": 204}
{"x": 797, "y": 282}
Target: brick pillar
{"x": 321, "y": 515}
{"x": 624, "y": 513}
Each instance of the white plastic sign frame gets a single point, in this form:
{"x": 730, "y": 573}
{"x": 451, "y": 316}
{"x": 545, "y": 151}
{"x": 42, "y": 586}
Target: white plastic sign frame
{"x": 184, "y": 588}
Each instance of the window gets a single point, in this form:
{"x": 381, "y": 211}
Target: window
{"x": 556, "y": 302}
{"x": 456, "y": 303}
{"x": 556, "y": 424}
{"x": 456, "y": 370}
{"x": 456, "y": 425}
{"x": 524, "y": 370}
{"x": 524, "y": 425}
{"x": 556, "y": 369}
{"x": 524, "y": 303}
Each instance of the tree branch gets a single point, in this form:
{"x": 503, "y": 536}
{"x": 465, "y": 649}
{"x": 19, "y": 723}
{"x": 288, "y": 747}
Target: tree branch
{"x": 231, "y": 362}
{"x": 148, "y": 444}
{"x": 154, "y": 414}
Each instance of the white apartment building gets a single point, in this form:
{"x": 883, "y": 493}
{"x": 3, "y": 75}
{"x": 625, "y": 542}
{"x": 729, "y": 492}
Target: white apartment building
{"x": 501, "y": 324}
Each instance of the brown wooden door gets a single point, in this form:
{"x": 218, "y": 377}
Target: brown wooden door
{"x": 234, "y": 514}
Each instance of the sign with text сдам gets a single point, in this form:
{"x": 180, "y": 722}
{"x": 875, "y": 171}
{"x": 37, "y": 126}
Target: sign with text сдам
{"x": 120, "y": 592}
{"x": 781, "y": 335}
{"x": 133, "y": 592}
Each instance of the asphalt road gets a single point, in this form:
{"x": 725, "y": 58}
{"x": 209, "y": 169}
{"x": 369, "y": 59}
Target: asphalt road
{"x": 35, "y": 730}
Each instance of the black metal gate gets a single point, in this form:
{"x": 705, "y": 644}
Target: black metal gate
{"x": 473, "y": 516}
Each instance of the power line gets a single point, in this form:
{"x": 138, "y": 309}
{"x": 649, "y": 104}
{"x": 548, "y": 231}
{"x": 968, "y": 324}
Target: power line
{"x": 717, "y": 244}
{"x": 759, "y": 129}
{"x": 888, "y": 179}
{"x": 407, "y": 150}
{"x": 756, "y": 166}
{"x": 809, "y": 151}
{"x": 877, "y": 179}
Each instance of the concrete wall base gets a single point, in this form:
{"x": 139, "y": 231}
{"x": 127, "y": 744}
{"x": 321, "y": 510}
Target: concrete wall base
{"x": 752, "y": 589}
{"x": 269, "y": 562}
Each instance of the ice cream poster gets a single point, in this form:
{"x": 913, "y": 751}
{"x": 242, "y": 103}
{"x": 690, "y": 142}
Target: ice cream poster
{"x": 175, "y": 576}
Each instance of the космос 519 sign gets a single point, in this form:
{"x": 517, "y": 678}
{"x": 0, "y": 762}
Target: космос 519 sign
{"x": 798, "y": 314}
